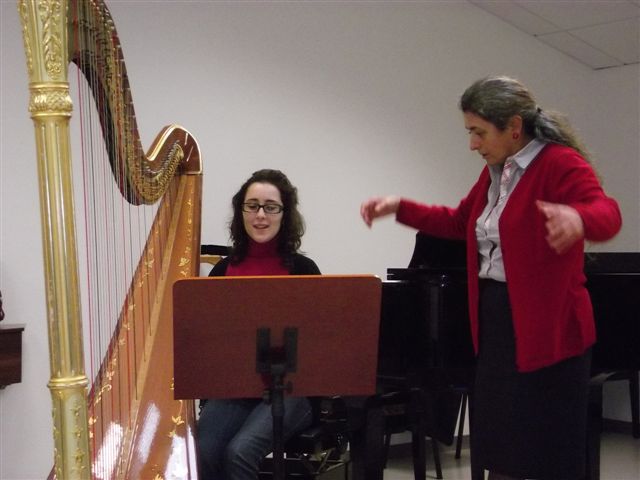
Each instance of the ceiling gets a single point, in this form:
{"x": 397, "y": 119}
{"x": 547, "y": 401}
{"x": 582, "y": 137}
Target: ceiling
{"x": 599, "y": 33}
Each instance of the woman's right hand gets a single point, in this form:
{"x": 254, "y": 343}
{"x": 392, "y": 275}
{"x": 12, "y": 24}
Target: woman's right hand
{"x": 378, "y": 207}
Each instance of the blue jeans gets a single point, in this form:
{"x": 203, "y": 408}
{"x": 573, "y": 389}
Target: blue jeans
{"x": 235, "y": 435}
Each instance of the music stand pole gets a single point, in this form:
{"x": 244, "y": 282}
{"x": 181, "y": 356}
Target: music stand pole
{"x": 276, "y": 362}
{"x": 276, "y": 395}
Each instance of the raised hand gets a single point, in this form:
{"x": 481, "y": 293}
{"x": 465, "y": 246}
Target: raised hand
{"x": 378, "y": 207}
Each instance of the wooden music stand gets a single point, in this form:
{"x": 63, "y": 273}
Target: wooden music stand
{"x": 239, "y": 337}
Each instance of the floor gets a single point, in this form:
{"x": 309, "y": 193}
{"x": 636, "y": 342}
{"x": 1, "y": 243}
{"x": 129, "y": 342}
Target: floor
{"x": 620, "y": 460}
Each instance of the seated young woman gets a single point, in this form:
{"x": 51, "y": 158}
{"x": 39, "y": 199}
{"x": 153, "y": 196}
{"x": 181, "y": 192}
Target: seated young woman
{"x": 234, "y": 435}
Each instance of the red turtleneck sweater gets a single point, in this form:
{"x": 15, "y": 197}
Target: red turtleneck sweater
{"x": 261, "y": 259}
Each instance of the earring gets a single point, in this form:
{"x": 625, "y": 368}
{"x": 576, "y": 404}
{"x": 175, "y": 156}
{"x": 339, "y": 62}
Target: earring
{"x": 516, "y": 136}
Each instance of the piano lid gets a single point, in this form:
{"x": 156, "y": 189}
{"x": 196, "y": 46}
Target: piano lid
{"x": 438, "y": 253}
{"x": 433, "y": 255}
{"x": 597, "y": 263}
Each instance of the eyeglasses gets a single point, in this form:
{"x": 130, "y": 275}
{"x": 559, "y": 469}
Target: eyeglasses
{"x": 268, "y": 208}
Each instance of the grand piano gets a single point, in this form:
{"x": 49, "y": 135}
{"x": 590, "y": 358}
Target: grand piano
{"x": 425, "y": 341}
{"x": 425, "y": 354}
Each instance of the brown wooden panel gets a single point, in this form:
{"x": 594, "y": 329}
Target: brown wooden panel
{"x": 10, "y": 354}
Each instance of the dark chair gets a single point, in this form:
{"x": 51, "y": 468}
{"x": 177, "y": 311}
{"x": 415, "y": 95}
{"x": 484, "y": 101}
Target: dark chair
{"x": 407, "y": 411}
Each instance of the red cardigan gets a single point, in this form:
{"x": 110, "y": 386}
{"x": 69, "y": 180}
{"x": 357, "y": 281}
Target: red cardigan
{"x": 552, "y": 313}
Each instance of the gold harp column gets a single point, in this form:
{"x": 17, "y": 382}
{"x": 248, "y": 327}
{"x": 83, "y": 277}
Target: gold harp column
{"x": 44, "y": 28}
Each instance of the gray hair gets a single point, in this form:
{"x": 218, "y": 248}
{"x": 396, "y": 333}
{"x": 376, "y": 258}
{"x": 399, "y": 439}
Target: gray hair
{"x": 498, "y": 99}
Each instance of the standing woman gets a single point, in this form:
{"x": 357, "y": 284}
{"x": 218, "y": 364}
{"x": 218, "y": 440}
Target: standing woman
{"x": 266, "y": 231}
{"x": 525, "y": 222}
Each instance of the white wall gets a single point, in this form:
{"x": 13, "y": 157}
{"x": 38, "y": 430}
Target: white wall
{"x": 350, "y": 99}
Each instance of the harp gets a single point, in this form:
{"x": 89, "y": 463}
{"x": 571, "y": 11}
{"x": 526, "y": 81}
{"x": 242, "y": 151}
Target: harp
{"x": 114, "y": 413}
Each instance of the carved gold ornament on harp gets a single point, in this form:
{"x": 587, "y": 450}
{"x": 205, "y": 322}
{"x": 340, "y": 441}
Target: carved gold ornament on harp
{"x": 47, "y": 27}
{"x": 141, "y": 178}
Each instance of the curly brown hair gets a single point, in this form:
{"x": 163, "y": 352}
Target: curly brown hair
{"x": 292, "y": 226}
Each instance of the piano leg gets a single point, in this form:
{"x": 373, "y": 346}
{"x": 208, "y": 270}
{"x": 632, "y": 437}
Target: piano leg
{"x": 419, "y": 432}
{"x": 367, "y": 443}
{"x": 416, "y": 415}
{"x": 436, "y": 458}
{"x": 594, "y": 426}
{"x": 418, "y": 446}
{"x": 634, "y": 394}
{"x": 477, "y": 472}
{"x": 463, "y": 409}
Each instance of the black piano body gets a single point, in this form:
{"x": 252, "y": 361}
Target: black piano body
{"x": 425, "y": 339}
{"x": 425, "y": 355}
{"x": 613, "y": 281}
{"x": 425, "y": 315}
{"x": 425, "y": 336}
{"x": 424, "y": 320}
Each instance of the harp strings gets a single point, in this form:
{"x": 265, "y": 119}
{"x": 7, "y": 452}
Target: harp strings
{"x": 96, "y": 319}
{"x": 115, "y": 236}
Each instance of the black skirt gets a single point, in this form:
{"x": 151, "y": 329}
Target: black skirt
{"x": 525, "y": 425}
